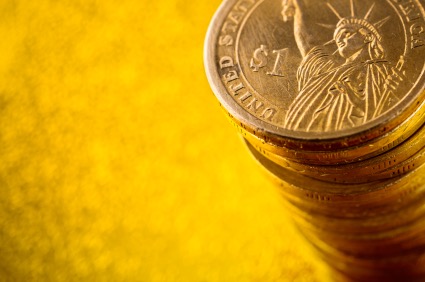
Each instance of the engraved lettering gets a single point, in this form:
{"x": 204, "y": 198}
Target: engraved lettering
{"x": 236, "y": 17}
{"x": 233, "y": 20}
{"x": 346, "y": 95}
{"x": 225, "y": 40}
{"x": 244, "y": 5}
{"x": 331, "y": 156}
{"x": 410, "y": 10}
{"x": 417, "y": 28}
{"x": 412, "y": 14}
{"x": 245, "y": 97}
{"x": 235, "y": 88}
{"x": 417, "y": 42}
{"x": 228, "y": 26}
{"x": 282, "y": 55}
{"x": 230, "y": 76}
{"x": 226, "y": 62}
{"x": 268, "y": 113}
{"x": 418, "y": 35}
{"x": 254, "y": 105}
{"x": 259, "y": 59}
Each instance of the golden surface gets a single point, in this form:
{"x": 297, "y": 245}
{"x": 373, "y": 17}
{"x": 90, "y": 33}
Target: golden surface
{"x": 117, "y": 163}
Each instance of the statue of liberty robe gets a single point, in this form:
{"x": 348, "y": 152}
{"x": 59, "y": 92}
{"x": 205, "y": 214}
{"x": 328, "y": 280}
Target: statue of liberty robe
{"x": 334, "y": 96}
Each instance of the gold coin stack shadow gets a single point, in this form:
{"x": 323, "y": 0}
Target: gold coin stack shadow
{"x": 352, "y": 171}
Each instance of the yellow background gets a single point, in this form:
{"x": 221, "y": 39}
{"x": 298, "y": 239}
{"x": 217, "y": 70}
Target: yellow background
{"x": 117, "y": 164}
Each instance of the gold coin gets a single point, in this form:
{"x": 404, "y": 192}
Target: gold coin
{"x": 398, "y": 161}
{"x": 339, "y": 223}
{"x": 320, "y": 76}
{"x": 360, "y": 230}
{"x": 408, "y": 266}
{"x": 381, "y": 245}
{"x": 327, "y": 156}
{"x": 345, "y": 200}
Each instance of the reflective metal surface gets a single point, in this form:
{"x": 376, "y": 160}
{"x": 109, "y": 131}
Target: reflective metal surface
{"x": 329, "y": 98}
{"x": 332, "y": 76}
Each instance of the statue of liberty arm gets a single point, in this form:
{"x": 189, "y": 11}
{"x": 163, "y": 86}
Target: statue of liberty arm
{"x": 295, "y": 10}
{"x": 341, "y": 89}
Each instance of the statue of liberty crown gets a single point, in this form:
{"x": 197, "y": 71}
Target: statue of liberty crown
{"x": 363, "y": 22}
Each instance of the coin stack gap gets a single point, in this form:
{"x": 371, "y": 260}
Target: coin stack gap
{"x": 329, "y": 98}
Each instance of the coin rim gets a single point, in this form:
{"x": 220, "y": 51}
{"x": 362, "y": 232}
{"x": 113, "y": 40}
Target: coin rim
{"x": 279, "y": 135}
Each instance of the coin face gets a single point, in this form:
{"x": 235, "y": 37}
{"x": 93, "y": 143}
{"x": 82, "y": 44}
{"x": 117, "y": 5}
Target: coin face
{"x": 318, "y": 70}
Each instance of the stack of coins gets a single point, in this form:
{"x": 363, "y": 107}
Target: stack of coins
{"x": 330, "y": 99}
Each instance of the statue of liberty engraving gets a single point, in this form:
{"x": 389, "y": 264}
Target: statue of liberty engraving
{"x": 344, "y": 82}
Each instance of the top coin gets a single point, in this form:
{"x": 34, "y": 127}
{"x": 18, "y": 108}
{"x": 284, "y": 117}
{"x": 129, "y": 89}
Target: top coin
{"x": 306, "y": 71}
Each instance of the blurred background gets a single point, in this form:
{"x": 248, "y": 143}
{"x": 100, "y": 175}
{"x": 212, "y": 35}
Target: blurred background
{"x": 117, "y": 163}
